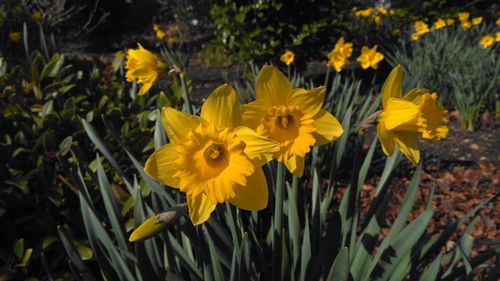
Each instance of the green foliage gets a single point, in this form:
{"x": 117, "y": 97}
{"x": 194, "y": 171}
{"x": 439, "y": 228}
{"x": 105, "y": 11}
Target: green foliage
{"x": 451, "y": 62}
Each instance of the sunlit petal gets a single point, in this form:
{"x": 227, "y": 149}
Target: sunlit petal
{"x": 254, "y": 195}
{"x": 222, "y": 108}
{"x": 272, "y": 86}
{"x": 328, "y": 128}
{"x": 200, "y": 208}
{"x": 161, "y": 165}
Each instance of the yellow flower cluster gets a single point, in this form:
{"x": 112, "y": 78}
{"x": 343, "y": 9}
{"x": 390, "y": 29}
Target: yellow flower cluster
{"x": 372, "y": 14}
{"x": 465, "y": 23}
{"x": 421, "y": 28}
{"x": 159, "y": 34}
{"x": 339, "y": 56}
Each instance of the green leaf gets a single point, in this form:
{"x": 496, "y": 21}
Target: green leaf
{"x": 65, "y": 145}
{"x": 431, "y": 271}
{"x": 19, "y": 249}
{"x": 340, "y": 267}
{"x": 53, "y": 68}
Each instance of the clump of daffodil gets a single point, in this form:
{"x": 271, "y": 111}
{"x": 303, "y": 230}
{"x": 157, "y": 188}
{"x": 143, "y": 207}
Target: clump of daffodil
{"x": 292, "y": 117}
{"x": 463, "y": 16}
{"x": 159, "y": 34}
{"x": 213, "y": 158}
{"x": 477, "y": 20}
{"x": 421, "y": 28}
{"x": 364, "y": 13}
{"x": 15, "y": 36}
{"x": 439, "y": 24}
{"x": 288, "y": 57}
{"x": 487, "y": 41}
{"x": 450, "y": 21}
{"x": 405, "y": 118}
{"x": 339, "y": 56}
{"x": 370, "y": 57}
{"x": 143, "y": 66}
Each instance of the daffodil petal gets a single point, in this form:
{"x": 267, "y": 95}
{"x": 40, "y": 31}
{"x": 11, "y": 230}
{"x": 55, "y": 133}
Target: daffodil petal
{"x": 222, "y": 108}
{"x": 399, "y": 112}
{"x": 160, "y": 165}
{"x": 254, "y": 195}
{"x": 328, "y": 128}
{"x": 295, "y": 165}
{"x": 407, "y": 143}
{"x": 260, "y": 149}
{"x": 272, "y": 86}
{"x": 392, "y": 86}
{"x": 413, "y": 94}
{"x": 147, "y": 229}
{"x": 309, "y": 101}
{"x": 253, "y": 113}
{"x": 177, "y": 124}
{"x": 386, "y": 139}
{"x": 200, "y": 208}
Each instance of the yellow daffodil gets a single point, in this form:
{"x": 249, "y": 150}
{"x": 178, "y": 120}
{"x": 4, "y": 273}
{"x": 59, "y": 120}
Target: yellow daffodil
{"x": 439, "y": 24}
{"x": 487, "y": 41}
{"x": 477, "y": 20}
{"x": 37, "y": 16}
{"x": 364, "y": 13}
{"x": 144, "y": 66}
{"x": 213, "y": 158}
{"x": 158, "y": 32}
{"x": 15, "y": 36}
{"x": 465, "y": 25}
{"x": 339, "y": 56}
{"x": 292, "y": 117}
{"x": 288, "y": 57}
{"x": 463, "y": 16}
{"x": 370, "y": 57}
{"x": 377, "y": 20}
{"x": 450, "y": 22}
{"x": 403, "y": 119}
{"x": 497, "y": 36}
{"x": 382, "y": 11}
{"x": 421, "y": 28}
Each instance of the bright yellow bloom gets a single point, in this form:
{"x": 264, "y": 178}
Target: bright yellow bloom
{"x": 477, "y": 20}
{"x": 213, "y": 158}
{"x": 292, "y": 117}
{"x": 364, "y": 13}
{"x": 158, "y": 32}
{"x": 466, "y": 25}
{"x": 487, "y": 41}
{"x": 497, "y": 36}
{"x": 144, "y": 66}
{"x": 339, "y": 56}
{"x": 382, "y": 11}
{"x": 440, "y": 23}
{"x": 288, "y": 57}
{"x": 450, "y": 21}
{"x": 463, "y": 16}
{"x": 15, "y": 36}
{"x": 37, "y": 16}
{"x": 370, "y": 57}
{"x": 403, "y": 119}
{"x": 377, "y": 20}
{"x": 421, "y": 28}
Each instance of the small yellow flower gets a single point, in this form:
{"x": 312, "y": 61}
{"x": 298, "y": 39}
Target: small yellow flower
{"x": 377, "y": 20}
{"x": 487, "y": 41}
{"x": 477, "y": 20}
{"x": 463, "y": 16}
{"x": 158, "y": 32}
{"x": 370, "y": 57}
{"x": 403, "y": 119}
{"x": 465, "y": 25}
{"x": 339, "y": 56}
{"x": 382, "y": 11}
{"x": 37, "y": 16}
{"x": 497, "y": 36}
{"x": 15, "y": 36}
{"x": 439, "y": 24}
{"x": 144, "y": 66}
{"x": 450, "y": 21}
{"x": 213, "y": 158}
{"x": 364, "y": 13}
{"x": 292, "y": 117}
{"x": 288, "y": 57}
{"x": 421, "y": 28}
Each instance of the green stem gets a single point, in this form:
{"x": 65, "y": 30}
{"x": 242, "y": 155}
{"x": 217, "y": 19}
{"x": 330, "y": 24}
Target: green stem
{"x": 327, "y": 76}
{"x": 185, "y": 94}
{"x": 278, "y": 218}
{"x": 289, "y": 72}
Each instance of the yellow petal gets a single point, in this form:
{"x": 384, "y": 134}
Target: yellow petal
{"x": 295, "y": 165}
{"x": 260, "y": 149}
{"x": 407, "y": 143}
{"x": 272, "y": 86}
{"x": 386, "y": 139}
{"x": 147, "y": 229}
{"x": 161, "y": 165}
{"x": 200, "y": 208}
{"x": 413, "y": 94}
{"x": 222, "y": 108}
{"x": 328, "y": 128}
{"x": 177, "y": 124}
{"x": 400, "y": 112}
{"x": 392, "y": 85}
{"x": 253, "y": 113}
{"x": 309, "y": 101}
{"x": 254, "y": 195}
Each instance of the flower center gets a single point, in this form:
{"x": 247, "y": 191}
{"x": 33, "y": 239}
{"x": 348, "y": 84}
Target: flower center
{"x": 214, "y": 152}
{"x": 284, "y": 120}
